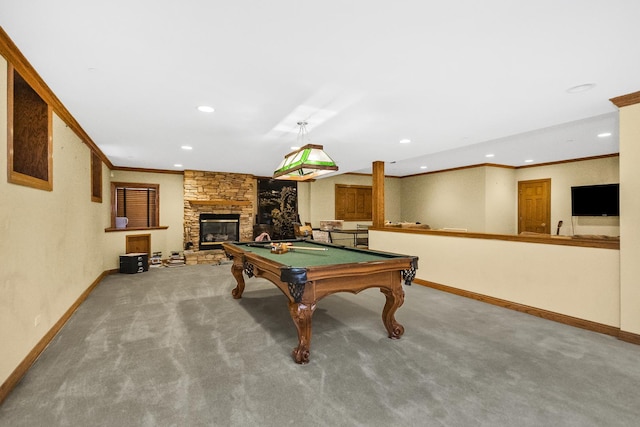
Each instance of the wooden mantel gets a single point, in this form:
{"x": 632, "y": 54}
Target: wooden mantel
{"x": 220, "y": 202}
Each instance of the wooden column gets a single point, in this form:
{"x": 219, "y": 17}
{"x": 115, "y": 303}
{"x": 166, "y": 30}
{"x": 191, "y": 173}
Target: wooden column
{"x": 378, "y": 194}
{"x": 629, "y": 111}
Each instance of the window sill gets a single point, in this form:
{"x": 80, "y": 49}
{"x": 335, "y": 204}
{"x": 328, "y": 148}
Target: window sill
{"x": 160, "y": 227}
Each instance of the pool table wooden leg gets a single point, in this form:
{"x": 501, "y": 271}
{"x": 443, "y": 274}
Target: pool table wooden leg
{"x": 237, "y": 269}
{"x": 395, "y": 298}
{"x": 301, "y": 314}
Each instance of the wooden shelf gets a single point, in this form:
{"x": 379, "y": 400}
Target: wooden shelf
{"x": 220, "y": 202}
{"x": 160, "y": 227}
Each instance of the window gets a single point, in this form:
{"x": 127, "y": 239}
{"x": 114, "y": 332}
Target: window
{"x": 96, "y": 178}
{"x": 30, "y": 160}
{"x": 354, "y": 202}
{"x": 139, "y": 203}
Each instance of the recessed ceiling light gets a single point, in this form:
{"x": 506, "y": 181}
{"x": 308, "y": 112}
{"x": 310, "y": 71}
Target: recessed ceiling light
{"x": 206, "y": 109}
{"x": 489, "y": 155}
{"x": 528, "y": 161}
{"x": 177, "y": 165}
{"x": 405, "y": 141}
{"x": 604, "y": 134}
{"x": 186, "y": 147}
{"x": 423, "y": 167}
{"x": 581, "y": 88}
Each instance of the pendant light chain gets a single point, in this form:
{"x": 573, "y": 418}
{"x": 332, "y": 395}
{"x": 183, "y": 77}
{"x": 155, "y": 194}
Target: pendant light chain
{"x": 302, "y": 132}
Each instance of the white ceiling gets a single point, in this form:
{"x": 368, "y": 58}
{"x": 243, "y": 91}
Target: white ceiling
{"x": 460, "y": 79}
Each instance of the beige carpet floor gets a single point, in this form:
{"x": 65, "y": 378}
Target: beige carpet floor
{"x": 171, "y": 347}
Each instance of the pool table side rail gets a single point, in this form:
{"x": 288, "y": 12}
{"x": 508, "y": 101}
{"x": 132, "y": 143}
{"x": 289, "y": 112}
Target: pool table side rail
{"x": 333, "y": 245}
{"x": 328, "y": 245}
{"x": 256, "y": 265}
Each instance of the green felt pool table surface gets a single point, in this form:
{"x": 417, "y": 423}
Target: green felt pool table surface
{"x": 311, "y": 258}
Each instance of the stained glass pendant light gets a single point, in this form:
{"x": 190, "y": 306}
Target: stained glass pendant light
{"x": 308, "y": 162}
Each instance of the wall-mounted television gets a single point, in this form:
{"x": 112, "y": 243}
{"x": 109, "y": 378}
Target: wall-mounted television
{"x": 595, "y": 200}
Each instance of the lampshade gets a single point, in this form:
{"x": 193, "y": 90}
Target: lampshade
{"x": 308, "y": 162}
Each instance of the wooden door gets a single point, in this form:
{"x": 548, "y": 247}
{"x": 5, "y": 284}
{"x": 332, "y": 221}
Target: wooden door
{"x": 534, "y": 206}
{"x": 353, "y": 202}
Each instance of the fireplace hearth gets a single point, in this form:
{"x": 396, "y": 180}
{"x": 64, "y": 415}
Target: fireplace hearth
{"x": 218, "y": 228}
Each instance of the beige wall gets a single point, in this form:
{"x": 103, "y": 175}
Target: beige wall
{"x": 451, "y": 199}
{"x": 53, "y": 245}
{"x": 500, "y": 201}
{"x": 50, "y": 243}
{"x": 171, "y": 215}
{"x": 630, "y": 218}
{"x": 485, "y": 200}
{"x": 574, "y": 281}
{"x": 316, "y": 200}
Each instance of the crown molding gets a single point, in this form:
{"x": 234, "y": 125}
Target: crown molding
{"x": 626, "y": 100}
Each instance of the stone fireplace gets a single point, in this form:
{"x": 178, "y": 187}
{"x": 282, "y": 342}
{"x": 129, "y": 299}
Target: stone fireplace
{"x": 218, "y": 228}
{"x": 218, "y": 193}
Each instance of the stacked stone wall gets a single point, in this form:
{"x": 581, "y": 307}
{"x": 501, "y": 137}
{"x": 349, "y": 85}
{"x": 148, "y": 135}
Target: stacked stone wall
{"x": 218, "y": 193}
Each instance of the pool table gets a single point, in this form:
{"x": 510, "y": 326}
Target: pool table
{"x": 311, "y": 270}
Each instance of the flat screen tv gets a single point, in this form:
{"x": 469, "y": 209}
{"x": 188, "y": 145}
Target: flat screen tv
{"x": 595, "y": 200}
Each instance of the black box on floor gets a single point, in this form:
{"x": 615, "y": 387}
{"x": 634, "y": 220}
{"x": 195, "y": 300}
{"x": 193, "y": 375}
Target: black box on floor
{"x": 134, "y": 263}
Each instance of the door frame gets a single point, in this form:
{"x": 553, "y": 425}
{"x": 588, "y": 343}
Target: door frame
{"x": 520, "y": 200}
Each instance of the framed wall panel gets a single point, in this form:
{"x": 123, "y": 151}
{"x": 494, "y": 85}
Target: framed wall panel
{"x": 29, "y": 147}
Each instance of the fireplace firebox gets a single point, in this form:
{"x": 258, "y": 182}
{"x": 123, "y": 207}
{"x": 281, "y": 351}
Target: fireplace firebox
{"x": 218, "y": 228}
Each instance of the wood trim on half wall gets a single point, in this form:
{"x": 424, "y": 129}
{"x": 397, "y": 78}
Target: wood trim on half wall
{"x": 629, "y": 337}
{"x": 538, "y": 312}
